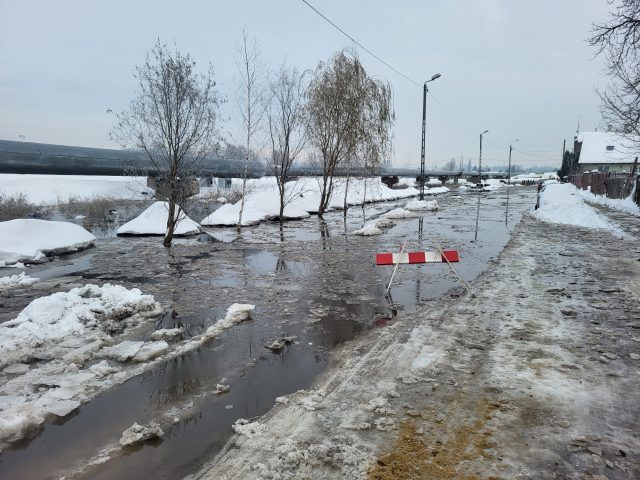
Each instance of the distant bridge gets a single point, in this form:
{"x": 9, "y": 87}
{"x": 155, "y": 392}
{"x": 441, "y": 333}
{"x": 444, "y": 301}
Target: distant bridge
{"x": 43, "y": 158}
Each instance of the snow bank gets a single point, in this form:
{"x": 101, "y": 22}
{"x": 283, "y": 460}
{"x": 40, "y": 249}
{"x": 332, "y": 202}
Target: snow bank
{"x": 30, "y": 240}
{"x": 15, "y": 281}
{"x": 90, "y": 313}
{"x": 399, "y": 213}
{"x": 422, "y": 205}
{"x": 262, "y": 203}
{"x": 51, "y": 189}
{"x": 153, "y": 221}
{"x": 624, "y": 204}
{"x": 61, "y": 336}
{"x": 562, "y": 203}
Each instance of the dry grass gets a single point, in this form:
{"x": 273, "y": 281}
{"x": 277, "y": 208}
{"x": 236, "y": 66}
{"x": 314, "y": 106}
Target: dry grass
{"x": 17, "y": 206}
{"x": 414, "y": 457}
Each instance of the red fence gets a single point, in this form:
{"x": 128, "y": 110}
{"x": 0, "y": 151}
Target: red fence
{"x": 612, "y": 185}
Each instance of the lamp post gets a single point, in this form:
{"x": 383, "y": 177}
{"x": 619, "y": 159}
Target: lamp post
{"x": 425, "y": 90}
{"x": 510, "y": 150}
{"x": 480, "y": 158}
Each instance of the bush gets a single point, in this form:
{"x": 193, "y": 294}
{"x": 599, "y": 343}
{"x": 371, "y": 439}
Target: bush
{"x": 17, "y": 206}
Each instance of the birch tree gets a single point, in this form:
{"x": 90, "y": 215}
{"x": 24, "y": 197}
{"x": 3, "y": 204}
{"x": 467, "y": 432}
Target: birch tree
{"x": 286, "y": 128}
{"x": 251, "y": 101}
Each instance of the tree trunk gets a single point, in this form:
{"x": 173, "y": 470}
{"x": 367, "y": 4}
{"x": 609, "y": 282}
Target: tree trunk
{"x": 346, "y": 192}
{"x": 171, "y": 221}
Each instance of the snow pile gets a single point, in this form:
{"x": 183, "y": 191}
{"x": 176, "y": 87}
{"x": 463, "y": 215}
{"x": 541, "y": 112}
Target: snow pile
{"x": 562, "y": 203}
{"x": 399, "y": 213}
{"x": 60, "y": 336}
{"x": 30, "y": 240}
{"x": 139, "y": 433}
{"x": 153, "y": 221}
{"x": 16, "y": 281}
{"x": 90, "y": 313}
{"x": 263, "y": 201}
{"x": 369, "y": 229}
{"x": 247, "y": 428}
{"x": 436, "y": 190}
{"x": 236, "y": 313}
{"x": 625, "y": 204}
{"x": 40, "y": 189}
{"x": 340, "y": 453}
{"x": 422, "y": 205}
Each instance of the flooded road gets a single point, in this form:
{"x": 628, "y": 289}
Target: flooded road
{"x": 312, "y": 280}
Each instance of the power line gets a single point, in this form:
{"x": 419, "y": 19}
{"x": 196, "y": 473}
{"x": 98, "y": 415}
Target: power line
{"x": 451, "y": 117}
{"x": 360, "y": 45}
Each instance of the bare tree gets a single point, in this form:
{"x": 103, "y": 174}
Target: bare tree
{"x": 251, "y": 102}
{"x": 286, "y": 128}
{"x": 349, "y": 115}
{"x": 618, "y": 40}
{"x": 173, "y": 120}
{"x": 450, "y": 166}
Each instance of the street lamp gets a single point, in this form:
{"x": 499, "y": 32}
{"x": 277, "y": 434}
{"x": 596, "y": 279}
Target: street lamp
{"x": 480, "y": 158}
{"x": 509, "y": 171}
{"x": 424, "y": 123}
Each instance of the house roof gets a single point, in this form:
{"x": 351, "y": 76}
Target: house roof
{"x": 607, "y": 148}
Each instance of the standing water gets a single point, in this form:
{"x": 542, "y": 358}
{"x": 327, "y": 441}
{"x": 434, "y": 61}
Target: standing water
{"x": 319, "y": 284}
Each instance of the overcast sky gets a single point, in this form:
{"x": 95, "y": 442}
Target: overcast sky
{"x": 520, "y": 69}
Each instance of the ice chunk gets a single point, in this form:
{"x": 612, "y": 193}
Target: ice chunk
{"x": 122, "y": 351}
{"x": 16, "y": 369}
{"x": 102, "y": 369}
{"x": 166, "y": 333}
{"x": 151, "y": 350}
{"x": 15, "y": 281}
{"x": 139, "y": 433}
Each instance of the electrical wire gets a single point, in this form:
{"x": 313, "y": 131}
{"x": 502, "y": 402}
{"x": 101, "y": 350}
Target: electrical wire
{"x": 451, "y": 117}
{"x": 360, "y": 45}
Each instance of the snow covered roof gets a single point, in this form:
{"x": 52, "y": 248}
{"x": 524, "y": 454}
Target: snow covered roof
{"x": 606, "y": 147}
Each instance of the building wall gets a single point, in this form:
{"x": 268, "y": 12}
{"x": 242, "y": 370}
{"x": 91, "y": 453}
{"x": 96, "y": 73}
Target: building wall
{"x": 609, "y": 167}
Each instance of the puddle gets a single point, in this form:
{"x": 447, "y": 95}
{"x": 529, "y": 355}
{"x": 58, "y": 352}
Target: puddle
{"x": 322, "y": 287}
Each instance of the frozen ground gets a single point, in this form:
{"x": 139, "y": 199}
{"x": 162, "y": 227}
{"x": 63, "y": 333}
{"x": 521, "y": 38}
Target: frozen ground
{"x": 536, "y": 377}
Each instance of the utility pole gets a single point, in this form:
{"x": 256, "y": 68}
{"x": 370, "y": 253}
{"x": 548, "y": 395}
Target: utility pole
{"x": 510, "y": 150}
{"x": 425, "y": 90}
{"x": 424, "y": 124}
{"x": 564, "y": 144}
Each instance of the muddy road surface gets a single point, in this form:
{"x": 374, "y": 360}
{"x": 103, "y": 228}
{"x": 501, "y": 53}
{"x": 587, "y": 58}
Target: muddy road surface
{"x": 536, "y": 377}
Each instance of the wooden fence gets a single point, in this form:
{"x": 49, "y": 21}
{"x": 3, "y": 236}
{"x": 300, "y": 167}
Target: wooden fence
{"x": 612, "y": 185}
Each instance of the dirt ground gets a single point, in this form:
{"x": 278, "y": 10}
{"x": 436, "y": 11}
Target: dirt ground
{"x": 536, "y": 377}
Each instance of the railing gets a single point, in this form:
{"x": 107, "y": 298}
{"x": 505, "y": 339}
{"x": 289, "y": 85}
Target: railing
{"x": 611, "y": 185}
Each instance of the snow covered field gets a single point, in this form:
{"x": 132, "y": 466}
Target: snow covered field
{"x": 52, "y": 189}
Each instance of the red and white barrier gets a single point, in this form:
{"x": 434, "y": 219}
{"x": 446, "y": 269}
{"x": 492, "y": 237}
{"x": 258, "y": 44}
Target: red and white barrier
{"x": 417, "y": 257}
